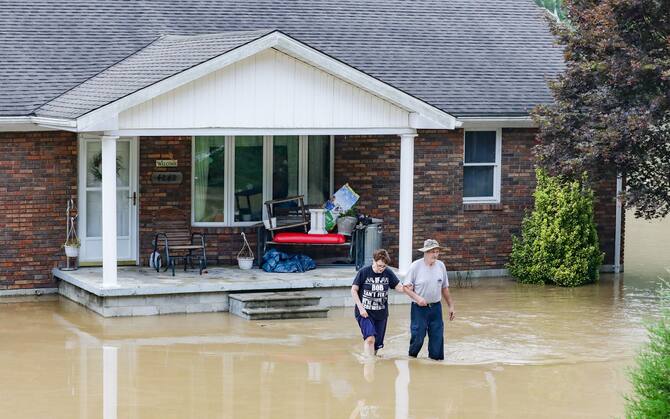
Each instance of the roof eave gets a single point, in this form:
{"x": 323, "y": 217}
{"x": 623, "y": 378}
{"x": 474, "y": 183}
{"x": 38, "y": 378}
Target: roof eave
{"x": 35, "y": 123}
{"x": 497, "y": 122}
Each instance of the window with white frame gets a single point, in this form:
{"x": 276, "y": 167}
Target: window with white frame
{"x": 481, "y": 166}
{"x": 233, "y": 176}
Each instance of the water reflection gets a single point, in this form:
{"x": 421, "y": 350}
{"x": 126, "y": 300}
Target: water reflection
{"x": 110, "y": 382}
{"x": 515, "y": 351}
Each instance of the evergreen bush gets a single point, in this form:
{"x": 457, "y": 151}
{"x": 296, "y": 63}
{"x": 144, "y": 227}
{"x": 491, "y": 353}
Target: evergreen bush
{"x": 651, "y": 378}
{"x": 559, "y": 242}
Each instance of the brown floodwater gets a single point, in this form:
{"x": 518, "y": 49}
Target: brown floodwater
{"x": 513, "y": 351}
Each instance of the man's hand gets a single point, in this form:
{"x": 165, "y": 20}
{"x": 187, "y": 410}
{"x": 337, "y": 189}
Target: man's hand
{"x": 422, "y": 302}
{"x": 363, "y": 313}
{"x": 452, "y": 314}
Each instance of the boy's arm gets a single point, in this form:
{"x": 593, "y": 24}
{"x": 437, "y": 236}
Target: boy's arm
{"x": 357, "y": 301}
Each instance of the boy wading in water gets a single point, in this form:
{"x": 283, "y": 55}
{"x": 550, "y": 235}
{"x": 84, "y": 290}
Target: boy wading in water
{"x": 370, "y": 292}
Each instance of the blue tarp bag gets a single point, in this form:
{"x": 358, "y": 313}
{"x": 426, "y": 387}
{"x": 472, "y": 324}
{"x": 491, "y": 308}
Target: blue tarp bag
{"x": 276, "y": 261}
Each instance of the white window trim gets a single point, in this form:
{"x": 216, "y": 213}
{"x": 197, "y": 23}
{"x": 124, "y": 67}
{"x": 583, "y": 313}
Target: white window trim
{"x": 497, "y": 166}
{"x": 229, "y": 175}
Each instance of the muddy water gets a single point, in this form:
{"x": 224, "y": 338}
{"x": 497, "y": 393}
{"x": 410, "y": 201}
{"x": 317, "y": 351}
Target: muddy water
{"x": 514, "y": 351}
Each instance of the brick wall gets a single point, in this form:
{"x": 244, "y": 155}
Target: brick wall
{"x": 38, "y": 172}
{"x": 476, "y": 236}
{"x": 222, "y": 243}
{"x": 371, "y": 166}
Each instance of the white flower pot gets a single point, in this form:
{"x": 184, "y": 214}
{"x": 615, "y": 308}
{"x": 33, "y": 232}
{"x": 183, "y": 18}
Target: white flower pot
{"x": 245, "y": 262}
{"x": 71, "y": 251}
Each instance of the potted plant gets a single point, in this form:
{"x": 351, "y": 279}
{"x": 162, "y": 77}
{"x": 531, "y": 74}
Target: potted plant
{"x": 245, "y": 257}
{"x": 72, "y": 247}
{"x": 346, "y": 222}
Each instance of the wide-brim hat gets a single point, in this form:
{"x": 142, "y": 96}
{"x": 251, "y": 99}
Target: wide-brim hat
{"x": 430, "y": 244}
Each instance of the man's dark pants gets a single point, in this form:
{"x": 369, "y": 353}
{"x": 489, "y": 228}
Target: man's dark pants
{"x": 424, "y": 320}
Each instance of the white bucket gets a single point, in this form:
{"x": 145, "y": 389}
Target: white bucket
{"x": 245, "y": 262}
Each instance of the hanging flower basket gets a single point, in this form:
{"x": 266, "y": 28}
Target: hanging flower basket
{"x": 245, "y": 257}
{"x": 71, "y": 251}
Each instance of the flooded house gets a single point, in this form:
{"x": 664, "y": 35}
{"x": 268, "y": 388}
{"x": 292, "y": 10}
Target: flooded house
{"x": 213, "y": 109}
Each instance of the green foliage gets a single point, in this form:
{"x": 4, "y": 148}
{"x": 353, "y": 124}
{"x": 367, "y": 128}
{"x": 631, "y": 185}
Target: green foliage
{"x": 351, "y": 212}
{"x": 72, "y": 242}
{"x": 611, "y": 110}
{"x": 559, "y": 242}
{"x": 96, "y": 166}
{"x": 651, "y": 378}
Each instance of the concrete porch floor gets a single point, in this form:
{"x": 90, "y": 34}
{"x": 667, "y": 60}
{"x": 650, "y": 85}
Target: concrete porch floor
{"x": 143, "y": 291}
{"x": 139, "y": 280}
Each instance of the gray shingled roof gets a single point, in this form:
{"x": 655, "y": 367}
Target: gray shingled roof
{"x": 466, "y": 57}
{"x": 161, "y": 59}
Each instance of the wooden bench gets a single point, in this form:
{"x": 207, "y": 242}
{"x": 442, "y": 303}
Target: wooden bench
{"x": 175, "y": 240}
{"x": 291, "y": 215}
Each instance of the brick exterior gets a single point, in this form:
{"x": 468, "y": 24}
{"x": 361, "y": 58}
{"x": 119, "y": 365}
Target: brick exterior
{"x": 38, "y": 172}
{"x": 476, "y": 236}
{"x": 371, "y": 166}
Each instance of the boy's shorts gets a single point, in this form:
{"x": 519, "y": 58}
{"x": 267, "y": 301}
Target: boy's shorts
{"x": 371, "y": 327}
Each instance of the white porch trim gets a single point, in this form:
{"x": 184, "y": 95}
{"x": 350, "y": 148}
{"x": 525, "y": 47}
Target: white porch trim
{"x": 109, "y": 259}
{"x": 105, "y": 118}
{"x": 189, "y": 132}
{"x": 406, "y": 221}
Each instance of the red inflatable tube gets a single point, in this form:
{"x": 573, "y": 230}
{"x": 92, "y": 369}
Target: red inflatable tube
{"x": 309, "y": 238}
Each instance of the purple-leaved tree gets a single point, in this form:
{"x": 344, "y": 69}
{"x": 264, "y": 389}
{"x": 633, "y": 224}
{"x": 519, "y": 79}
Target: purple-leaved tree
{"x": 612, "y": 105}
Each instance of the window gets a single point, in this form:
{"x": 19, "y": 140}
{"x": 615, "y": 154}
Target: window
{"x": 318, "y": 169}
{"x": 233, "y": 176}
{"x": 208, "y": 179}
{"x": 481, "y": 166}
{"x": 248, "y": 178}
{"x": 285, "y": 166}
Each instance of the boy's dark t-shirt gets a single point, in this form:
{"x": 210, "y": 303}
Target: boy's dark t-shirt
{"x": 373, "y": 290}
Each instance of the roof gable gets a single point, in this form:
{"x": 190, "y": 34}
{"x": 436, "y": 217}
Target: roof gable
{"x": 270, "y": 89}
{"x": 173, "y": 62}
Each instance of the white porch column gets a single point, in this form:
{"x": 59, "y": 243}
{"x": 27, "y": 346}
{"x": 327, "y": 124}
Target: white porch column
{"x": 406, "y": 202}
{"x": 109, "y": 211}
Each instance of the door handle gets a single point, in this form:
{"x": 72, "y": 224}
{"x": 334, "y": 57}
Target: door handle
{"x": 134, "y": 198}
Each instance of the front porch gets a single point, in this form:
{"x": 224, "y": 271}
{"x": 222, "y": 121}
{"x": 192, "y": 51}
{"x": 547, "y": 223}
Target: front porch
{"x": 241, "y": 122}
{"x": 142, "y": 291}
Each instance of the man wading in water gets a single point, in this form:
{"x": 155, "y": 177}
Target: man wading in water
{"x": 370, "y": 292}
{"x": 426, "y": 283}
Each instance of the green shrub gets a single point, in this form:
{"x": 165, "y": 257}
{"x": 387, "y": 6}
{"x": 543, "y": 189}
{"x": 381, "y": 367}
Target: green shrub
{"x": 651, "y": 378}
{"x": 559, "y": 242}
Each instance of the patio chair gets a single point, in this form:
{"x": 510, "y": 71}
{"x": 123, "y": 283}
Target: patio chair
{"x": 175, "y": 241}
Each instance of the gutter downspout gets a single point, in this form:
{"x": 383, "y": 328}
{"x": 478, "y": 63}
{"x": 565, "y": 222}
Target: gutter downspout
{"x": 617, "y": 227}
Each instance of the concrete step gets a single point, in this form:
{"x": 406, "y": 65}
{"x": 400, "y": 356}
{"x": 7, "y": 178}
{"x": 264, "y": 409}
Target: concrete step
{"x": 275, "y": 305}
{"x": 285, "y": 313}
{"x": 274, "y": 299}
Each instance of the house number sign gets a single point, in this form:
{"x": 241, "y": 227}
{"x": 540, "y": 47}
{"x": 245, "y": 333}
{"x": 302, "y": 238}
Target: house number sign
{"x": 166, "y": 178}
{"x": 166, "y": 163}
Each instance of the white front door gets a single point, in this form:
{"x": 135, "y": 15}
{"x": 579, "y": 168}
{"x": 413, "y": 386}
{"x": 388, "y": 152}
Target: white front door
{"x": 90, "y": 199}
